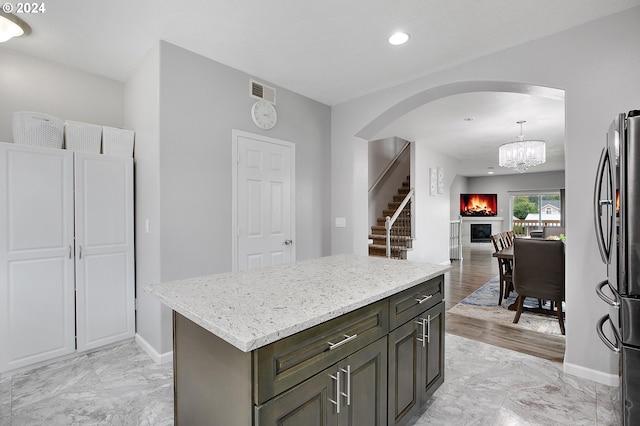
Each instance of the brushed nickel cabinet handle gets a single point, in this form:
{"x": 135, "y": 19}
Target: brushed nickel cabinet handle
{"x": 348, "y": 394}
{"x": 337, "y": 401}
{"x": 347, "y": 339}
{"x": 426, "y": 330}
{"x": 424, "y": 299}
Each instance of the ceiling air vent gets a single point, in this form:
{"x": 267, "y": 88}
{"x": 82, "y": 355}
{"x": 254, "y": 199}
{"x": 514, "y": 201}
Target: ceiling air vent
{"x": 260, "y": 91}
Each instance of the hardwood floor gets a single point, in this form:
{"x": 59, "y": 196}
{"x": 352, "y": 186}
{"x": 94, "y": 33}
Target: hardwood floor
{"x": 466, "y": 276}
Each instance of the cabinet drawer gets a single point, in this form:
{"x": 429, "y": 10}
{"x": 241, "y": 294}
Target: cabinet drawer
{"x": 287, "y": 362}
{"x": 411, "y": 302}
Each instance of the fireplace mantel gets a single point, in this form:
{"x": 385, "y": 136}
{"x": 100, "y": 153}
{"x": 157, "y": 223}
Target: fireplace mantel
{"x": 495, "y": 221}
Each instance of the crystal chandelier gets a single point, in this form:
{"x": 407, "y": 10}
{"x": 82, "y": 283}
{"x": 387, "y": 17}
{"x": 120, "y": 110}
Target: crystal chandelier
{"x": 522, "y": 154}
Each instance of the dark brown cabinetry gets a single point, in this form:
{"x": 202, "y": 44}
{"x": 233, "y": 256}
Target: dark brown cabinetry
{"x": 352, "y": 392}
{"x": 416, "y": 350}
{"x": 376, "y": 365}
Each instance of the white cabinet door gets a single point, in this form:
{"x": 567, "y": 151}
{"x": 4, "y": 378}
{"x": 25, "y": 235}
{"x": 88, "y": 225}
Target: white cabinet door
{"x": 104, "y": 250}
{"x": 36, "y": 262}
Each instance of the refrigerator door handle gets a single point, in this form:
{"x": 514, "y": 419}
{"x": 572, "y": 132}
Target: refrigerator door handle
{"x": 615, "y": 347}
{"x": 603, "y": 245}
{"x": 611, "y": 301}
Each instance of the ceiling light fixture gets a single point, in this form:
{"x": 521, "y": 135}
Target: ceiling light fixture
{"x": 522, "y": 154}
{"x": 12, "y": 26}
{"x": 398, "y": 38}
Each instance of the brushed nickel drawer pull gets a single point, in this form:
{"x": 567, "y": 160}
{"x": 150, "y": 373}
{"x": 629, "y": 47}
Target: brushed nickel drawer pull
{"x": 347, "y": 339}
{"x": 424, "y": 299}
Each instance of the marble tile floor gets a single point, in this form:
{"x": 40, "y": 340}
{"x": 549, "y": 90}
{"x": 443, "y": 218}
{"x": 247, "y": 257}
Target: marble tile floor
{"x": 484, "y": 385}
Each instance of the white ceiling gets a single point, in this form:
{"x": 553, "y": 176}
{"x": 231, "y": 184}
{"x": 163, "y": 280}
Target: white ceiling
{"x": 442, "y": 125}
{"x": 329, "y": 50}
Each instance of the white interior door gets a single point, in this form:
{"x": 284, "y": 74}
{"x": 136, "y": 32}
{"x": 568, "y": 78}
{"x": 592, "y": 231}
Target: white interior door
{"x": 37, "y": 310}
{"x": 265, "y": 207}
{"x": 104, "y": 250}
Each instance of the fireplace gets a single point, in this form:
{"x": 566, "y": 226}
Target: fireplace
{"x": 480, "y": 232}
{"x": 478, "y": 205}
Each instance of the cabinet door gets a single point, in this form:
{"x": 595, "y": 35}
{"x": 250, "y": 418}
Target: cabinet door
{"x": 104, "y": 250}
{"x": 307, "y": 404}
{"x": 405, "y": 361}
{"x": 364, "y": 388}
{"x": 432, "y": 357}
{"x": 352, "y": 392}
{"x": 36, "y": 262}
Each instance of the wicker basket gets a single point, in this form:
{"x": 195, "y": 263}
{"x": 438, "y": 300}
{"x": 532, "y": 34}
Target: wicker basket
{"x": 82, "y": 137}
{"x": 117, "y": 141}
{"x": 35, "y": 128}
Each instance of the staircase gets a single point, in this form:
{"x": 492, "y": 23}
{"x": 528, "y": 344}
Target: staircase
{"x": 401, "y": 240}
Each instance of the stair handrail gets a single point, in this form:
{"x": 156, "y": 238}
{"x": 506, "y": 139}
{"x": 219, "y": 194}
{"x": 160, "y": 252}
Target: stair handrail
{"x": 389, "y": 221}
{"x": 393, "y": 161}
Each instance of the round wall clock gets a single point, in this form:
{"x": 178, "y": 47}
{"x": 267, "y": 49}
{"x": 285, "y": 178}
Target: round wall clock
{"x": 264, "y": 114}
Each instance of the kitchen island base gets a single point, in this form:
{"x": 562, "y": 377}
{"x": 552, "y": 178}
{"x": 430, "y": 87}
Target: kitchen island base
{"x": 212, "y": 379}
{"x": 376, "y": 365}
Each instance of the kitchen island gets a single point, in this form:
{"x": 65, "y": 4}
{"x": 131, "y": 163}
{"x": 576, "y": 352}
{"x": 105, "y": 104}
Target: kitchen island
{"x": 334, "y": 340}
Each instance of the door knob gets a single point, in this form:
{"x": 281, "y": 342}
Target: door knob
{"x": 288, "y": 242}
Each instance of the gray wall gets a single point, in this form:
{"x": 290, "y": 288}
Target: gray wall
{"x": 188, "y": 161}
{"x": 201, "y": 101}
{"x": 593, "y": 64}
{"x": 142, "y": 105}
{"x": 31, "y": 84}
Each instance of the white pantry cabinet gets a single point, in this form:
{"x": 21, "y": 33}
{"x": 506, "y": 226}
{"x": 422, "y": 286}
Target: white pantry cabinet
{"x": 66, "y": 253}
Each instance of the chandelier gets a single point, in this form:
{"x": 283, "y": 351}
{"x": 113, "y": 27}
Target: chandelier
{"x": 522, "y": 154}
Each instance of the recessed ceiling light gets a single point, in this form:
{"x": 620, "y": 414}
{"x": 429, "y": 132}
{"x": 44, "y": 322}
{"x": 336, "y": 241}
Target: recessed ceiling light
{"x": 399, "y": 38}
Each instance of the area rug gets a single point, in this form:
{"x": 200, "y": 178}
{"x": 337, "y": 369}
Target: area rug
{"x": 483, "y": 304}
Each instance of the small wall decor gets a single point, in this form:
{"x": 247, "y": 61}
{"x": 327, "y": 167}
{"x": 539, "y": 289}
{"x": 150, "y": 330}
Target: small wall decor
{"x": 433, "y": 181}
{"x": 440, "y": 180}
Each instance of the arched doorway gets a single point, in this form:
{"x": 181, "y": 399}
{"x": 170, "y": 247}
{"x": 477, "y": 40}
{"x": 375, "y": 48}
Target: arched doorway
{"x": 438, "y": 210}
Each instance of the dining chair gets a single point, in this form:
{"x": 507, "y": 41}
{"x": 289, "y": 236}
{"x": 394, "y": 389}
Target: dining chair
{"x": 506, "y": 239}
{"x": 538, "y": 272}
{"x": 505, "y": 270}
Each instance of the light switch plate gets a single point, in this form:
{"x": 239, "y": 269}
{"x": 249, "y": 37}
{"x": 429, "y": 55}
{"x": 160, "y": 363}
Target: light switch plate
{"x": 341, "y": 222}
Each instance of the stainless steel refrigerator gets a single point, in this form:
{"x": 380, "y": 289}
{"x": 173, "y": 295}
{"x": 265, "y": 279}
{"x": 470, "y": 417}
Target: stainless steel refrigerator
{"x": 617, "y": 223}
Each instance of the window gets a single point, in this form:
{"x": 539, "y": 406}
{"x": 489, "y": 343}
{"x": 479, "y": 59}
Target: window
{"x": 532, "y": 211}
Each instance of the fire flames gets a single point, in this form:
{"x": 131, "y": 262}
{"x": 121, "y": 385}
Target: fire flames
{"x": 478, "y": 205}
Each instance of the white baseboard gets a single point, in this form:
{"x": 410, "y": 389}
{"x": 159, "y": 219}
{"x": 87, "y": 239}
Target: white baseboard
{"x": 157, "y": 357}
{"x": 593, "y": 375}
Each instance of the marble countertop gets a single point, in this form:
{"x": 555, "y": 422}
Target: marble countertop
{"x": 250, "y": 309}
